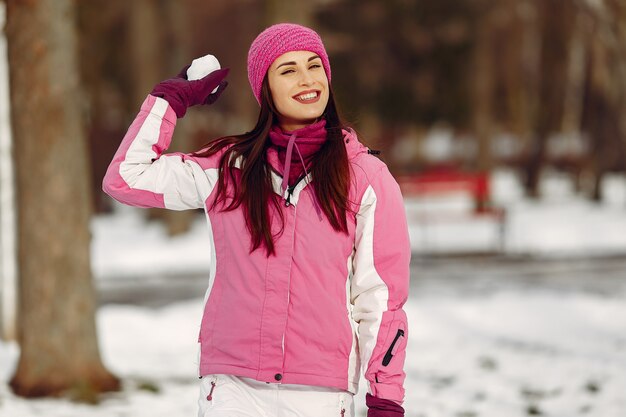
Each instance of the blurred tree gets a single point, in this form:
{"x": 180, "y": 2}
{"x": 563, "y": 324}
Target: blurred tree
{"x": 605, "y": 91}
{"x": 103, "y": 34}
{"x": 56, "y": 318}
{"x": 147, "y": 53}
{"x": 127, "y": 47}
{"x": 618, "y": 10}
{"x": 401, "y": 63}
{"x": 178, "y": 42}
{"x": 483, "y": 85}
{"x": 8, "y": 258}
{"x": 510, "y": 66}
{"x": 160, "y": 45}
{"x": 555, "y": 24}
{"x": 226, "y": 28}
{"x": 527, "y": 69}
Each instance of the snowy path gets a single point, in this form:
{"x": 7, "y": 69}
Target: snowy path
{"x": 604, "y": 276}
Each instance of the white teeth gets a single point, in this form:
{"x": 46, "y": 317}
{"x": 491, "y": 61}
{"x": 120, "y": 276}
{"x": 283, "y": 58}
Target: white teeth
{"x": 308, "y": 96}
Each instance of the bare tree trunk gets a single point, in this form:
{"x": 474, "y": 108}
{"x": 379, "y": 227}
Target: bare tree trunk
{"x": 574, "y": 88}
{"x": 575, "y": 92}
{"x": 100, "y": 38}
{"x": 604, "y": 103}
{"x": 602, "y": 120}
{"x": 56, "y": 319}
{"x": 554, "y": 21}
{"x": 536, "y": 140}
{"x": 245, "y": 28}
{"x": 150, "y": 37}
{"x": 513, "y": 69}
{"x": 618, "y": 12}
{"x": 8, "y": 261}
{"x": 620, "y": 15}
{"x": 483, "y": 91}
{"x": 146, "y": 46}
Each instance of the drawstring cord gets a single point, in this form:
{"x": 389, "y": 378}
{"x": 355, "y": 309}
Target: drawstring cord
{"x": 290, "y": 144}
{"x": 285, "y": 183}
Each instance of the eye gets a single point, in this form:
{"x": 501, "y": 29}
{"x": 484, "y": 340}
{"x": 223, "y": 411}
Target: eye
{"x": 287, "y": 71}
{"x": 315, "y": 66}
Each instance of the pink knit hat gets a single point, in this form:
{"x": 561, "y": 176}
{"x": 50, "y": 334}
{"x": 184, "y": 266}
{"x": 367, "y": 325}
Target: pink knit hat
{"x": 275, "y": 41}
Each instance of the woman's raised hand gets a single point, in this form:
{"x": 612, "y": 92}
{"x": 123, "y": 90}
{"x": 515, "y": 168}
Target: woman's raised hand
{"x": 182, "y": 93}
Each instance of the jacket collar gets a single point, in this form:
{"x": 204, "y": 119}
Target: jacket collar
{"x": 353, "y": 146}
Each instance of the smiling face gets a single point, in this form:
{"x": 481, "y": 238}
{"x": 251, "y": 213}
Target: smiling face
{"x": 299, "y": 88}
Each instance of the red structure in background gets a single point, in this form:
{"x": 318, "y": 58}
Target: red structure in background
{"x": 447, "y": 180}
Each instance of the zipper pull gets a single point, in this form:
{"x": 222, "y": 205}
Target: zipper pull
{"x": 289, "y": 193}
{"x": 210, "y": 396}
{"x": 393, "y": 348}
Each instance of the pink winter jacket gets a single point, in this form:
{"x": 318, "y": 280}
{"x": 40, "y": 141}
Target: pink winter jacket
{"x": 325, "y": 306}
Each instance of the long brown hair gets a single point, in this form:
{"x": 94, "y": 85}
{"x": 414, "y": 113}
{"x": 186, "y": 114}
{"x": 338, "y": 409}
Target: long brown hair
{"x": 330, "y": 172}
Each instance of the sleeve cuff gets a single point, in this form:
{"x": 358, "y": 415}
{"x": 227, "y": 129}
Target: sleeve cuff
{"x": 389, "y": 392}
{"x": 169, "y": 115}
{"x": 380, "y": 407}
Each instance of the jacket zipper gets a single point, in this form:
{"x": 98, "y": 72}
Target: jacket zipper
{"x": 290, "y": 191}
{"x": 287, "y": 204}
{"x": 343, "y": 410}
{"x": 390, "y": 351}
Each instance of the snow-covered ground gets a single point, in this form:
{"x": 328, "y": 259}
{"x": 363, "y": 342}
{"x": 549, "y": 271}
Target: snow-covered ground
{"x": 560, "y": 224}
{"x": 497, "y": 350}
{"x": 503, "y": 354}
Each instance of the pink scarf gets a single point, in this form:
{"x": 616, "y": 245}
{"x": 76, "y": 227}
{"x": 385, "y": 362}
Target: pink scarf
{"x": 306, "y": 141}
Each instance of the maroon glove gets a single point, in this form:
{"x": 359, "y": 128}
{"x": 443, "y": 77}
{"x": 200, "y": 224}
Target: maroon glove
{"x": 181, "y": 94}
{"x": 379, "y": 407}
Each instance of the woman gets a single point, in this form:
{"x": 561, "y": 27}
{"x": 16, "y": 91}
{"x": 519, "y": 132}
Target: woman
{"x": 308, "y": 239}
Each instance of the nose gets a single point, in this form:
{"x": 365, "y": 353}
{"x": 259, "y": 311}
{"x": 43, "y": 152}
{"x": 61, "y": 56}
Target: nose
{"x": 305, "y": 78}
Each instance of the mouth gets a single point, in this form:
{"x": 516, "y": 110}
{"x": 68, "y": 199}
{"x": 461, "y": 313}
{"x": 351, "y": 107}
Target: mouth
{"x": 309, "y": 96}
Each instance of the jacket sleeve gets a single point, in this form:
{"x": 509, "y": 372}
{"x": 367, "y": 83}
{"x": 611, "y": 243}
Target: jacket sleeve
{"x": 140, "y": 175}
{"x": 379, "y": 286}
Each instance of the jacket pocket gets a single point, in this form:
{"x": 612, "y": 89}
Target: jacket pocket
{"x": 393, "y": 347}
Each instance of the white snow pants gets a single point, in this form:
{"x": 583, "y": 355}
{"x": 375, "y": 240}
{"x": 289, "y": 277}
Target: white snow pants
{"x": 234, "y": 396}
